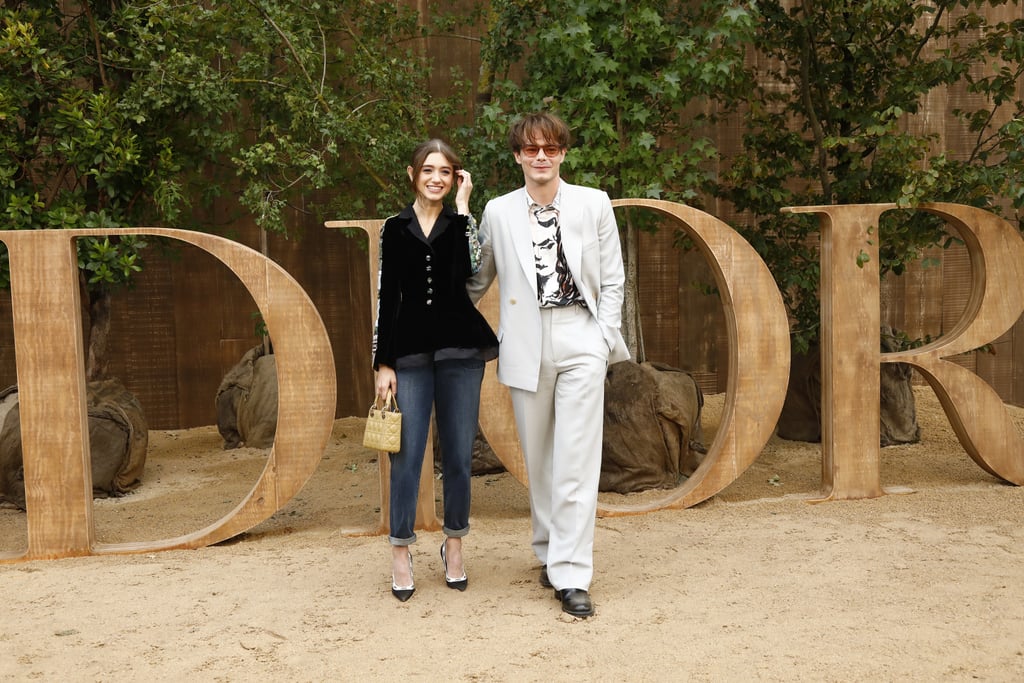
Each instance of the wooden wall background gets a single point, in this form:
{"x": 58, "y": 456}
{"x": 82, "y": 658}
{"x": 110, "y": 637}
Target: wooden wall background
{"x": 188, "y": 319}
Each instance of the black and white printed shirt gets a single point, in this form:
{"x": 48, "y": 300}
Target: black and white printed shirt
{"x": 555, "y": 286}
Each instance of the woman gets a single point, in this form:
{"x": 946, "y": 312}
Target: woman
{"x": 430, "y": 346}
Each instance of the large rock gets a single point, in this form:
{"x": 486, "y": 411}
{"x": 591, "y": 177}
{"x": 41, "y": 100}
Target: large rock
{"x": 652, "y": 427}
{"x": 897, "y": 418}
{"x": 246, "y": 401}
{"x": 800, "y": 419}
{"x": 118, "y": 441}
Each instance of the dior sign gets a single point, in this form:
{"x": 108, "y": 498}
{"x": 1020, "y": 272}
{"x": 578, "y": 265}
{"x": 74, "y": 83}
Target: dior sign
{"x": 51, "y": 375}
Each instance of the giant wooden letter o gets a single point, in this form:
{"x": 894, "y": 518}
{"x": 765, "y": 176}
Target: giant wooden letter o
{"x": 51, "y": 388}
{"x": 758, "y": 334}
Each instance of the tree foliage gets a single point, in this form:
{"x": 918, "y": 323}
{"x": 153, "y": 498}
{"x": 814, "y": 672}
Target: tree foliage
{"x": 126, "y": 113}
{"x": 836, "y": 118}
{"x": 638, "y": 82}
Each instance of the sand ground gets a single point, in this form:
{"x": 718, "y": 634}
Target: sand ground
{"x": 755, "y": 584}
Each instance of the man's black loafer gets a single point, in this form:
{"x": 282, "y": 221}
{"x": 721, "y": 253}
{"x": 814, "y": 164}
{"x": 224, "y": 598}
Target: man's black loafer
{"x": 575, "y": 601}
{"x": 544, "y": 580}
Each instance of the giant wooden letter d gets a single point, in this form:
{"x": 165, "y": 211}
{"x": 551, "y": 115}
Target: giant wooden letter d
{"x": 51, "y": 388}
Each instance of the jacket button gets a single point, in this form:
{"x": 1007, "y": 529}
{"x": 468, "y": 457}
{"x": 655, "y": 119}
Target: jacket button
{"x": 512, "y": 301}
{"x": 429, "y": 301}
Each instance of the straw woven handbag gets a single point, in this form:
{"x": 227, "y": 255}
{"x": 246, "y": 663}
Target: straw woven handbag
{"x": 384, "y": 426}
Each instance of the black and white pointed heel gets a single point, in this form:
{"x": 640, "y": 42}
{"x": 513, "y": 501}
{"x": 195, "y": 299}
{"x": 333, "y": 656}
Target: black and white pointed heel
{"x": 403, "y": 593}
{"x": 458, "y": 584}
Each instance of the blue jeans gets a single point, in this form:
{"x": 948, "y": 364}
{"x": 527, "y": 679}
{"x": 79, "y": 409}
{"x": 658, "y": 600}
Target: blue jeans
{"x": 452, "y": 389}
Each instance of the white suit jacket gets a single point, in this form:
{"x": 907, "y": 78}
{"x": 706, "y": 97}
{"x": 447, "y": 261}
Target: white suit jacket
{"x": 590, "y": 241}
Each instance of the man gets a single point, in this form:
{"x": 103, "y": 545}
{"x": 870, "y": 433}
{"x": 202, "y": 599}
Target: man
{"x": 555, "y": 249}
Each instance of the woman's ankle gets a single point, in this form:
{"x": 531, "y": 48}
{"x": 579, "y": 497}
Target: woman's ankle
{"x": 401, "y": 567}
{"x": 453, "y": 555}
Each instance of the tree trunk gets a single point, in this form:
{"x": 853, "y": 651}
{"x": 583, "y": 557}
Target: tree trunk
{"x": 631, "y": 328}
{"x": 97, "y": 334}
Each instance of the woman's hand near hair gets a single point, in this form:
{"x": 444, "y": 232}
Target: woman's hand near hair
{"x": 386, "y": 381}
{"x": 464, "y": 181}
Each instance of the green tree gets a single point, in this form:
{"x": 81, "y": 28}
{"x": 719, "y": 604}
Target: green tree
{"x": 640, "y": 83}
{"x": 123, "y": 113}
{"x": 836, "y": 119}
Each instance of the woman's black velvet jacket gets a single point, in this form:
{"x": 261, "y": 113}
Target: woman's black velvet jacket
{"x": 422, "y": 305}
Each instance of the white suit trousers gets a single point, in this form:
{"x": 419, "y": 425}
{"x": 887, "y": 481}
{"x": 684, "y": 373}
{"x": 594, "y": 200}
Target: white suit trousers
{"x": 560, "y": 429}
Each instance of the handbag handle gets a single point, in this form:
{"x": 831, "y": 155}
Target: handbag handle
{"x": 390, "y": 403}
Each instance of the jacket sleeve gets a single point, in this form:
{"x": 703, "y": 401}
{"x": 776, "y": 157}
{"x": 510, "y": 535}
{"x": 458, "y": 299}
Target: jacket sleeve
{"x": 613, "y": 275}
{"x": 473, "y": 239}
{"x": 482, "y": 278}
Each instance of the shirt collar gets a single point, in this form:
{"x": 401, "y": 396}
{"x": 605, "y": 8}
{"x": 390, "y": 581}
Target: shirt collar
{"x": 556, "y": 202}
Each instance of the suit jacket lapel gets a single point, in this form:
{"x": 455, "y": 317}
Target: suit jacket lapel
{"x": 518, "y": 222}
{"x": 572, "y": 237}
